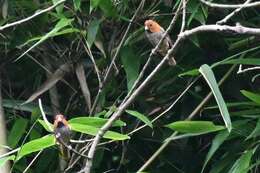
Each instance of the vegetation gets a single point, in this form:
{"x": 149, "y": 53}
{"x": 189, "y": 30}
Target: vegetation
{"x": 128, "y": 110}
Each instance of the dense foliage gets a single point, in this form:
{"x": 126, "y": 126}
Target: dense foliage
{"x": 52, "y": 57}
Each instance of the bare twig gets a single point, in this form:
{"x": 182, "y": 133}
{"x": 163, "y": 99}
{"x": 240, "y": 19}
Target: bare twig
{"x": 122, "y": 41}
{"x": 183, "y": 15}
{"x": 10, "y": 152}
{"x": 215, "y": 5}
{"x": 88, "y": 50}
{"x": 33, "y": 160}
{"x": 221, "y": 22}
{"x": 238, "y": 29}
{"x": 169, "y": 108}
{"x": 100, "y": 84}
{"x": 240, "y": 70}
{"x": 37, "y": 13}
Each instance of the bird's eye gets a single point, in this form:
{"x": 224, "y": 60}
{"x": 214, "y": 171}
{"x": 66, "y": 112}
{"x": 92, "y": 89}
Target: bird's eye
{"x": 150, "y": 25}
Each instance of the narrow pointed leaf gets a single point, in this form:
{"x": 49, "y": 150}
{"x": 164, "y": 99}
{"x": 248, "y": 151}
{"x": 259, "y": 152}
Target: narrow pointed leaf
{"x": 95, "y": 121}
{"x": 208, "y": 75}
{"x": 194, "y": 127}
{"x": 141, "y": 117}
{"x": 36, "y": 145}
{"x": 216, "y": 143}
{"x": 252, "y": 96}
{"x": 90, "y": 130}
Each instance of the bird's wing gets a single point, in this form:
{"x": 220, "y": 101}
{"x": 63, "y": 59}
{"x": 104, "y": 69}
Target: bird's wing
{"x": 167, "y": 38}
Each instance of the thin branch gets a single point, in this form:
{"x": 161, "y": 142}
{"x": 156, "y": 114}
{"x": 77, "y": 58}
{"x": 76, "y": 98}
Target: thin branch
{"x": 221, "y": 22}
{"x": 122, "y": 41}
{"x": 44, "y": 116}
{"x": 10, "y": 152}
{"x": 215, "y": 5}
{"x": 238, "y": 29}
{"x": 240, "y": 70}
{"x": 33, "y": 160}
{"x": 37, "y": 13}
{"x": 88, "y": 50}
{"x": 141, "y": 74}
{"x": 100, "y": 84}
{"x": 80, "y": 141}
{"x": 183, "y": 15}
{"x": 169, "y": 108}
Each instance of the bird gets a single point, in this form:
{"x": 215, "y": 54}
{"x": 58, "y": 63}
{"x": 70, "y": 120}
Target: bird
{"x": 62, "y": 134}
{"x": 154, "y": 33}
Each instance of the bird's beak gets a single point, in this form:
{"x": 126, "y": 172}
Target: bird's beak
{"x": 146, "y": 28}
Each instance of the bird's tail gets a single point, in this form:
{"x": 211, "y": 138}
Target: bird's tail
{"x": 64, "y": 157}
{"x": 171, "y": 61}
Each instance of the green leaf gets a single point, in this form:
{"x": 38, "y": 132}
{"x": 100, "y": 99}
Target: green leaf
{"x": 59, "y": 8}
{"x": 95, "y": 121}
{"x": 256, "y": 131}
{"x": 107, "y": 7}
{"x": 252, "y": 96}
{"x": 93, "y": 4}
{"x": 193, "y": 72}
{"x": 242, "y": 164}
{"x": 92, "y": 31}
{"x": 194, "y": 127}
{"x": 197, "y": 12}
{"x": 18, "y": 129}
{"x": 29, "y": 107}
{"x": 135, "y": 36}
{"x": 77, "y": 4}
{"x": 63, "y": 32}
{"x": 208, "y": 75}
{"x": 246, "y": 61}
{"x": 141, "y": 117}
{"x": 186, "y": 135}
{"x": 221, "y": 165}
{"x": 234, "y": 104}
{"x": 216, "y": 143}
{"x": 5, "y": 159}
{"x": 61, "y": 24}
{"x": 90, "y": 130}
{"x": 36, "y": 145}
{"x": 241, "y": 54}
{"x": 241, "y": 43}
{"x": 131, "y": 63}
{"x": 45, "y": 126}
